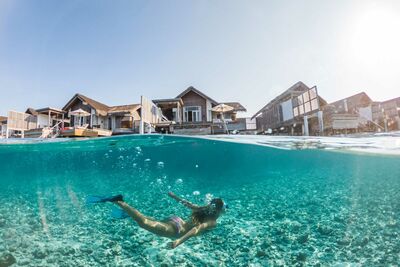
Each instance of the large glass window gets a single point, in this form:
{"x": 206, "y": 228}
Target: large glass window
{"x": 193, "y": 114}
{"x": 313, "y": 93}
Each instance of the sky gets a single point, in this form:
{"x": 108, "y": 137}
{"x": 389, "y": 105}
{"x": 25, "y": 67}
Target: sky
{"x": 248, "y": 51}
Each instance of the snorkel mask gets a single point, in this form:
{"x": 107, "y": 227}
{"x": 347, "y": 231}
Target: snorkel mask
{"x": 223, "y": 208}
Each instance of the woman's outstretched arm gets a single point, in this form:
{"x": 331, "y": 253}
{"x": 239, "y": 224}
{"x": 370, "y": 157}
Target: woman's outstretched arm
{"x": 193, "y": 232}
{"x": 183, "y": 201}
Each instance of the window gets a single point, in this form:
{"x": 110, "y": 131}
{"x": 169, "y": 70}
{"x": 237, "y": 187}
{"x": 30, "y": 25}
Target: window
{"x": 79, "y": 121}
{"x": 313, "y": 93}
{"x": 174, "y": 114}
{"x": 301, "y": 110}
{"x": 300, "y": 100}
{"x": 192, "y": 114}
{"x": 306, "y": 97}
{"x": 296, "y": 111}
{"x": 314, "y": 104}
{"x": 307, "y": 107}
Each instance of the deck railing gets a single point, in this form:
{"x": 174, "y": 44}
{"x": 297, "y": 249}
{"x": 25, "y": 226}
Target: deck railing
{"x": 51, "y": 132}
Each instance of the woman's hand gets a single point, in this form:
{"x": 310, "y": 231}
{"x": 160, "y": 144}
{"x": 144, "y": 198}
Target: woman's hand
{"x": 171, "y": 194}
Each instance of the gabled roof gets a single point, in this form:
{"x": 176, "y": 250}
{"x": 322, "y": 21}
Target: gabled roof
{"x": 299, "y": 86}
{"x": 47, "y": 109}
{"x": 236, "y": 106}
{"x": 124, "y": 108}
{"x": 192, "y": 89}
{"x": 101, "y": 108}
{"x": 168, "y": 100}
{"x": 31, "y": 111}
{"x": 354, "y": 99}
{"x": 132, "y": 109}
{"x": 35, "y": 112}
{"x": 390, "y": 100}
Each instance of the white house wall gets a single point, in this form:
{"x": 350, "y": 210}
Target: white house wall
{"x": 42, "y": 120}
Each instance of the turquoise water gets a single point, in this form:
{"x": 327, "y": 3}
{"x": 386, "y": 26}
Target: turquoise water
{"x": 313, "y": 207}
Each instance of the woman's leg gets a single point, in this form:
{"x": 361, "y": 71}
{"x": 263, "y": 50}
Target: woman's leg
{"x": 151, "y": 225}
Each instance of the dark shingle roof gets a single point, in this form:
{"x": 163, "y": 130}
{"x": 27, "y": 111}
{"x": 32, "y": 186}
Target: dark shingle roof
{"x": 31, "y": 111}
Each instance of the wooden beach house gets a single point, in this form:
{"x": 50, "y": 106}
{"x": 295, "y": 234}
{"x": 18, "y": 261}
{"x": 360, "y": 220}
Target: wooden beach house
{"x": 349, "y": 115}
{"x": 386, "y": 115}
{"x": 3, "y": 125}
{"x": 89, "y": 117}
{"x": 284, "y": 115}
{"x": 191, "y": 112}
{"x": 48, "y": 121}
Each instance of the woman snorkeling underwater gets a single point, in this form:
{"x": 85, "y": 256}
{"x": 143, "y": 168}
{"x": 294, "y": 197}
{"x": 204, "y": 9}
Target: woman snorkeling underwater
{"x": 202, "y": 218}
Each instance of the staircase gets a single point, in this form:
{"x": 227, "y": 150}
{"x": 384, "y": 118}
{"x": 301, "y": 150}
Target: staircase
{"x": 51, "y": 132}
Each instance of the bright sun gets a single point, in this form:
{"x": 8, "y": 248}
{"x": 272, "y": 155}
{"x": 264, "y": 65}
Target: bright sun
{"x": 375, "y": 35}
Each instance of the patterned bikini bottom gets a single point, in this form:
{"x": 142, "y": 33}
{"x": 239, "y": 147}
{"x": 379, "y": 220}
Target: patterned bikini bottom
{"x": 178, "y": 223}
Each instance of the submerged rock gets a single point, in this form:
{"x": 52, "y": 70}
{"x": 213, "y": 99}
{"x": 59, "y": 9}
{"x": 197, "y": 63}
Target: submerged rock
{"x": 261, "y": 253}
{"x": 39, "y": 254}
{"x": 392, "y": 223}
{"x": 303, "y": 238}
{"x": 361, "y": 241}
{"x": 344, "y": 242}
{"x": 324, "y": 230}
{"x": 7, "y": 260}
{"x": 301, "y": 256}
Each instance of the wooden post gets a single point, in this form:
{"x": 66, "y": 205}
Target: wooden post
{"x": 386, "y": 124}
{"x": 321, "y": 122}
{"x": 305, "y": 129}
{"x": 141, "y": 125}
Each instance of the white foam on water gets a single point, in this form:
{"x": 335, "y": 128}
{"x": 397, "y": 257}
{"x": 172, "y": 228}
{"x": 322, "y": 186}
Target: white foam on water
{"x": 377, "y": 144}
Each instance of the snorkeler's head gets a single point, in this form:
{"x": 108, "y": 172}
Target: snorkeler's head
{"x": 217, "y": 204}
{"x": 212, "y": 211}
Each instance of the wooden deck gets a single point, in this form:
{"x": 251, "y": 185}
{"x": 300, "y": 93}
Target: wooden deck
{"x": 103, "y": 132}
{"x": 76, "y": 132}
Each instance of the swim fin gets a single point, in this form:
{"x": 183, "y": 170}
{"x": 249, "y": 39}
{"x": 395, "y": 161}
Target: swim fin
{"x": 102, "y": 199}
{"x": 118, "y": 213}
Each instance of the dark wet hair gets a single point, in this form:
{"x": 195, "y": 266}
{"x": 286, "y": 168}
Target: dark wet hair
{"x": 209, "y": 212}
